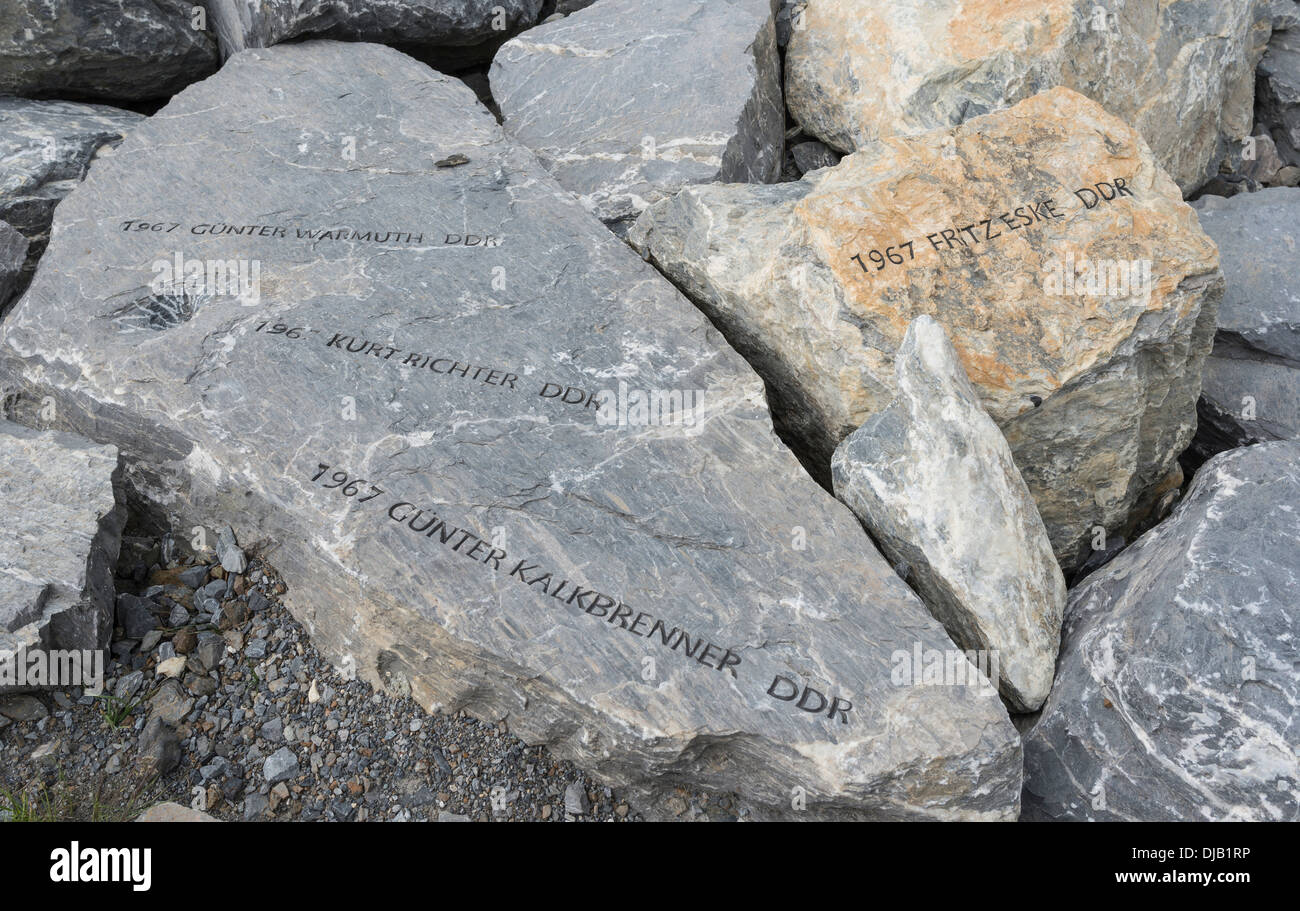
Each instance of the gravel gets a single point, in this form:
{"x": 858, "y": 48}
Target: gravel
{"x": 258, "y": 726}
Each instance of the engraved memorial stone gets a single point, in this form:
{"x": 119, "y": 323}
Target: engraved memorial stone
{"x": 1074, "y": 282}
{"x": 429, "y": 408}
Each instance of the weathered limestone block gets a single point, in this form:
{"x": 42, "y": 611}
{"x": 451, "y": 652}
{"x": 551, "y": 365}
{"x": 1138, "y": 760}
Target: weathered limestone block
{"x": 1176, "y": 696}
{"x": 59, "y": 537}
{"x": 103, "y": 49}
{"x": 1252, "y": 379}
{"x": 1181, "y": 72}
{"x": 429, "y": 408}
{"x": 1074, "y": 282}
{"x": 933, "y": 479}
{"x": 626, "y": 107}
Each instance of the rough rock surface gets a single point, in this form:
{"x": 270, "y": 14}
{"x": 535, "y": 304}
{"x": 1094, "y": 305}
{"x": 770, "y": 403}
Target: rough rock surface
{"x": 47, "y": 147}
{"x": 425, "y": 493}
{"x": 106, "y": 49}
{"x": 815, "y": 283}
{"x": 1277, "y": 99}
{"x": 1251, "y": 390}
{"x": 932, "y": 478}
{"x": 1176, "y": 696}
{"x": 1181, "y": 72}
{"x": 59, "y": 537}
{"x": 13, "y": 254}
{"x": 174, "y": 812}
{"x": 589, "y": 95}
{"x": 242, "y": 24}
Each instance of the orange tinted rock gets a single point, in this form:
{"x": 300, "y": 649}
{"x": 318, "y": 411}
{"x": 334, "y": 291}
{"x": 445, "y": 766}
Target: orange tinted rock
{"x": 980, "y": 227}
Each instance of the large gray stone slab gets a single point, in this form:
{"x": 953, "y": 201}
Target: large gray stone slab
{"x": 399, "y": 418}
{"x": 60, "y": 532}
{"x": 103, "y": 49}
{"x": 933, "y": 479}
{"x": 47, "y": 148}
{"x": 1251, "y": 390}
{"x": 626, "y": 106}
{"x": 1176, "y": 696}
{"x": 1181, "y": 72}
{"x": 426, "y": 24}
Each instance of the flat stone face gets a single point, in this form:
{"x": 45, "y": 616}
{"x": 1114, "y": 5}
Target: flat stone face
{"x": 13, "y": 253}
{"x": 1278, "y": 98}
{"x": 59, "y": 540}
{"x": 1252, "y": 379}
{"x": 174, "y": 812}
{"x": 625, "y": 107}
{"x": 242, "y": 24}
{"x": 398, "y": 414}
{"x": 1182, "y": 73}
{"x": 933, "y": 479}
{"x": 1176, "y": 695}
{"x": 47, "y": 147}
{"x": 101, "y": 48}
{"x": 1028, "y": 234}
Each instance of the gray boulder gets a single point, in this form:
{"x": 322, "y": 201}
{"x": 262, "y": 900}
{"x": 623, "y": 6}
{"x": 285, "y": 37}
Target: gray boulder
{"x": 625, "y": 108}
{"x": 1251, "y": 390}
{"x": 59, "y": 538}
{"x": 13, "y": 254}
{"x": 1277, "y": 96}
{"x": 104, "y": 49}
{"x": 1181, "y": 73}
{"x": 47, "y": 148}
{"x": 932, "y": 478}
{"x": 464, "y": 30}
{"x": 1082, "y": 316}
{"x": 1176, "y": 691}
{"x": 435, "y": 412}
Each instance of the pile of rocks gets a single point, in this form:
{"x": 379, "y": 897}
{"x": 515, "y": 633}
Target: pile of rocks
{"x": 480, "y": 359}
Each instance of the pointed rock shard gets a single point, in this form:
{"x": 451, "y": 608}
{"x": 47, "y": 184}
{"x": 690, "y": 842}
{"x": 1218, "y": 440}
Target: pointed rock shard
{"x": 1176, "y": 694}
{"x": 591, "y": 95}
{"x": 405, "y": 415}
{"x": 1072, "y": 279}
{"x": 1183, "y": 74}
{"x": 59, "y": 539}
{"x": 1252, "y": 379}
{"x": 932, "y": 478}
{"x": 102, "y": 48}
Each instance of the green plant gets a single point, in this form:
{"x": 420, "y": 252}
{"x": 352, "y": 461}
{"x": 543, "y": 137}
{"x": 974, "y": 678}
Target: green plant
{"x": 114, "y": 711}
